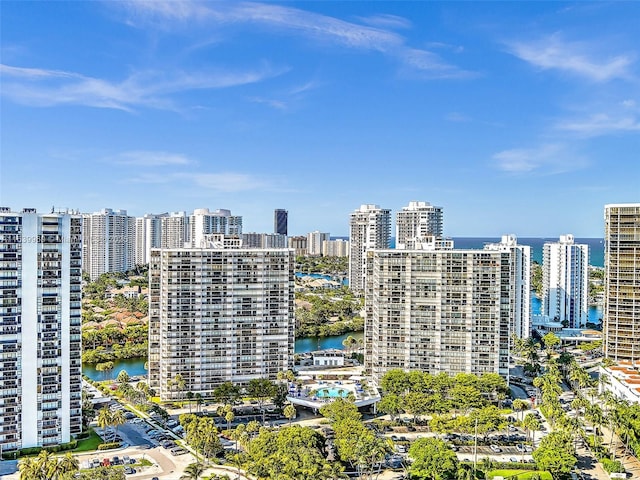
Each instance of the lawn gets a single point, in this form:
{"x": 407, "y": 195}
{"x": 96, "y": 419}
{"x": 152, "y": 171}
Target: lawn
{"x": 88, "y": 444}
{"x": 522, "y": 474}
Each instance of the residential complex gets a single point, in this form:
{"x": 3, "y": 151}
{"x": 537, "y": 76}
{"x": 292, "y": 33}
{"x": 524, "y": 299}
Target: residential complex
{"x": 335, "y": 248}
{"x": 315, "y": 241}
{"x": 438, "y": 311}
{"x": 298, "y": 244}
{"x": 280, "y": 218}
{"x": 40, "y": 352}
{"x": 148, "y": 235}
{"x": 108, "y": 242}
{"x": 416, "y": 223}
{"x": 565, "y": 281}
{"x": 622, "y": 282}
{"x": 218, "y": 315}
{"x": 264, "y": 240}
{"x": 520, "y": 284}
{"x": 369, "y": 228}
{"x": 203, "y": 222}
{"x": 175, "y": 230}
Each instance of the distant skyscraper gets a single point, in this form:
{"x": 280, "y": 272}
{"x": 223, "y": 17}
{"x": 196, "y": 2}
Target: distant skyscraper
{"x": 298, "y": 244}
{"x": 264, "y": 240}
{"x": 40, "y": 352}
{"x": 417, "y": 222}
{"x": 369, "y": 227}
{"x": 148, "y": 235}
{"x": 219, "y": 315}
{"x": 108, "y": 242}
{"x": 565, "y": 281}
{"x": 314, "y": 242}
{"x": 521, "y": 283}
{"x": 280, "y": 218}
{"x": 203, "y": 222}
{"x": 622, "y": 282}
{"x": 438, "y": 311}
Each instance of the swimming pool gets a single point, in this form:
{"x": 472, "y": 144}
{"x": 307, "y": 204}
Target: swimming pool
{"x": 332, "y": 392}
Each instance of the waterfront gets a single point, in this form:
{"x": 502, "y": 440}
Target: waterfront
{"x": 135, "y": 366}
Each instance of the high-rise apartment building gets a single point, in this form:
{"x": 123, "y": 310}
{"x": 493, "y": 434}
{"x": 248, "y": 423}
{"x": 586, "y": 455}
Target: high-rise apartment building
{"x": 40, "y": 352}
{"x": 565, "y": 281}
{"x": 175, "y": 230}
{"x": 521, "y": 283}
{"x": 417, "y": 223}
{"x": 219, "y": 315}
{"x": 148, "y": 235}
{"x": 108, "y": 242}
{"x": 369, "y": 228}
{"x": 264, "y": 240}
{"x": 203, "y": 222}
{"x": 335, "y": 248}
{"x": 280, "y": 220}
{"x": 438, "y": 311}
{"x": 622, "y": 282}
{"x": 298, "y": 244}
{"x": 315, "y": 241}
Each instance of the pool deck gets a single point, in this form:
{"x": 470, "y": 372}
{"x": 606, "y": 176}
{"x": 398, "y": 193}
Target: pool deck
{"x": 304, "y": 397}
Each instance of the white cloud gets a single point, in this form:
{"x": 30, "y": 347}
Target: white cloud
{"x": 40, "y": 87}
{"x": 385, "y": 20}
{"x": 601, "y": 124}
{"x": 546, "y": 159}
{"x": 322, "y": 28}
{"x": 577, "y": 58}
{"x": 457, "y": 117}
{"x": 226, "y": 182}
{"x": 144, "y": 158}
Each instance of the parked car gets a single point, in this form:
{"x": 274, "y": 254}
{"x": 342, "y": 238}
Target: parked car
{"x": 106, "y": 462}
{"x": 178, "y": 451}
{"x": 129, "y": 470}
{"x": 495, "y": 448}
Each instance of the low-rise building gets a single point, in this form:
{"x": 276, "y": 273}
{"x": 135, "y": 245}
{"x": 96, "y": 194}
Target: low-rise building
{"x": 622, "y": 380}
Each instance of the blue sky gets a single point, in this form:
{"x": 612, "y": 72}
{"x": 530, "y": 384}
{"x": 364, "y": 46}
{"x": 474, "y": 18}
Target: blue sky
{"x": 514, "y": 117}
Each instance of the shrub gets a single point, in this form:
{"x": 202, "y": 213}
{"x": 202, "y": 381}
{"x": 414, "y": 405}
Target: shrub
{"x": 108, "y": 446}
{"x": 612, "y": 466}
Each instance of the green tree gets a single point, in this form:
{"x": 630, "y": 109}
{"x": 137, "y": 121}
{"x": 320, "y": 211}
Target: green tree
{"x": 104, "y": 418}
{"x": 433, "y": 460}
{"x": 551, "y": 341}
{"x": 339, "y": 410}
{"x": 261, "y": 389}
{"x": 391, "y": 404}
{"x": 520, "y": 405}
{"x": 555, "y": 453}
{"x": 290, "y": 412}
{"x": 123, "y": 377}
{"x": 226, "y": 393}
{"x": 193, "y": 471}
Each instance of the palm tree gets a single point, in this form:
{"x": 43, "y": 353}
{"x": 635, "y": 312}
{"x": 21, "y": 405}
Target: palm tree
{"x": 193, "y": 471}
{"x": 531, "y": 424}
{"x": 189, "y": 399}
{"x": 520, "y": 405}
{"x": 29, "y": 469}
{"x": 68, "y": 463}
{"x": 117, "y": 419}
{"x": 104, "y": 418}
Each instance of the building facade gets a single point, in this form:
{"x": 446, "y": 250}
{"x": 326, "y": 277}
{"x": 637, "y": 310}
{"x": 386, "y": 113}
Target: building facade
{"x": 622, "y": 282}
{"x": 264, "y": 240}
{"x": 565, "y": 281}
{"x": 521, "y": 283}
{"x": 315, "y": 241}
{"x": 416, "y": 223}
{"x": 335, "y": 248}
{"x": 203, "y": 222}
{"x": 148, "y": 235}
{"x": 108, "y": 242}
{"x": 175, "y": 230}
{"x": 219, "y": 315}
{"x": 40, "y": 317}
{"x": 298, "y": 244}
{"x": 369, "y": 228}
{"x": 280, "y": 221}
{"x": 438, "y": 311}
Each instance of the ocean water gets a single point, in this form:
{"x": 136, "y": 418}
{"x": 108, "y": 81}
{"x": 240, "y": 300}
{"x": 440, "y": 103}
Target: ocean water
{"x": 596, "y": 246}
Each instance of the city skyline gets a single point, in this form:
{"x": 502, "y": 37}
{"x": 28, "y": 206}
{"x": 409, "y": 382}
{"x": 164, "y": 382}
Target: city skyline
{"x": 514, "y": 118}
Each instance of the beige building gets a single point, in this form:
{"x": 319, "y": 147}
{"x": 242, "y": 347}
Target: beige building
{"x": 438, "y": 311}
{"x": 219, "y": 315}
{"x": 622, "y": 282}
{"x": 314, "y": 242}
{"x": 335, "y": 248}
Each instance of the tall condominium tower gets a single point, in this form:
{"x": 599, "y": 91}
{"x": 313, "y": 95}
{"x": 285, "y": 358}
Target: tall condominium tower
{"x": 521, "y": 283}
{"x": 335, "y": 248}
{"x": 565, "y": 281}
{"x": 438, "y": 311}
{"x": 40, "y": 353}
{"x": 280, "y": 218}
{"x": 219, "y": 315}
{"x": 315, "y": 241}
{"x": 108, "y": 242}
{"x": 622, "y": 282}
{"x": 298, "y": 244}
{"x": 203, "y": 222}
{"x": 264, "y": 240}
{"x": 175, "y": 230}
{"x": 148, "y": 235}
{"x": 415, "y": 223}
{"x": 369, "y": 227}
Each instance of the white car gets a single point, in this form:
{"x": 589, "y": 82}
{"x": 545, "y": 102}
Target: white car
{"x": 495, "y": 448}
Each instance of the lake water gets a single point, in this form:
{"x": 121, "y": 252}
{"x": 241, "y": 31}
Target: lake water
{"x": 594, "y": 314}
{"x": 135, "y": 366}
